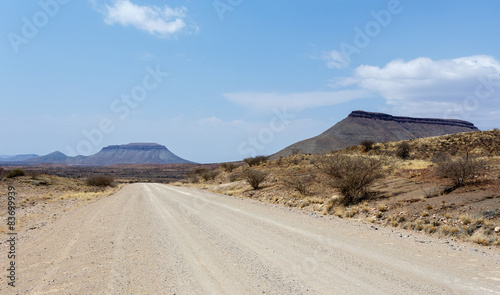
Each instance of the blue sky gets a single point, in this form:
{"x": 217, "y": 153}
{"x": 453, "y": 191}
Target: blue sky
{"x": 223, "y": 80}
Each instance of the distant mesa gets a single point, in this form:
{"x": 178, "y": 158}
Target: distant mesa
{"x": 378, "y": 127}
{"x": 133, "y": 153}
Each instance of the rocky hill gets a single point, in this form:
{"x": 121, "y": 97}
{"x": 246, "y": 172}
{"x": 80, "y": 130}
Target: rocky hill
{"x": 378, "y": 127}
{"x": 133, "y": 153}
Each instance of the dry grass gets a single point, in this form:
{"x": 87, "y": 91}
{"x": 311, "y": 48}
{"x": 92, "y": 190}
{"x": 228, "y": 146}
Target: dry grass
{"x": 40, "y": 199}
{"x": 480, "y": 239}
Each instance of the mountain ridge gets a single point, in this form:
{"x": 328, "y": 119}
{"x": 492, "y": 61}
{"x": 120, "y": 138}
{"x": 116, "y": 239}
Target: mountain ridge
{"x": 377, "y": 127}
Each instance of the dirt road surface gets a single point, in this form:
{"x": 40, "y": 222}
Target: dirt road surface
{"x": 159, "y": 239}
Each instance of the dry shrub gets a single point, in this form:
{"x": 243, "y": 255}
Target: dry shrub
{"x": 209, "y": 175}
{"x": 15, "y": 173}
{"x": 203, "y": 173}
{"x": 403, "y": 150}
{"x": 459, "y": 169}
{"x": 254, "y": 177}
{"x": 351, "y": 175}
{"x": 228, "y": 167}
{"x": 100, "y": 180}
{"x": 255, "y": 161}
{"x": 33, "y": 174}
{"x": 367, "y": 145}
{"x": 480, "y": 239}
{"x": 299, "y": 181}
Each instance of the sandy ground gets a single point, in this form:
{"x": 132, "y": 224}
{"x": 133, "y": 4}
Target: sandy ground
{"x": 159, "y": 239}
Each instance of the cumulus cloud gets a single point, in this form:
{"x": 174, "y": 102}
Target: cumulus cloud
{"x": 160, "y": 21}
{"x": 294, "y": 101}
{"x": 424, "y": 85}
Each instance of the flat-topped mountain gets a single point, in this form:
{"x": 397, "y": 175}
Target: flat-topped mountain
{"x": 378, "y": 127}
{"x": 133, "y": 153}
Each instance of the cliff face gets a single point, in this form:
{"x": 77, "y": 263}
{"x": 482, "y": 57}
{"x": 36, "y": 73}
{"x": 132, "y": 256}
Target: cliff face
{"x": 407, "y": 120}
{"x": 378, "y": 127}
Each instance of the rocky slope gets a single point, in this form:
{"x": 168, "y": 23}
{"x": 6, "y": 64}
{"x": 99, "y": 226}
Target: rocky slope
{"x": 378, "y": 127}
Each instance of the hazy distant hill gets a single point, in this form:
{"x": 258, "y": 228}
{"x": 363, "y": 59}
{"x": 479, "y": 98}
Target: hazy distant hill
{"x": 133, "y": 153}
{"x": 17, "y": 158}
{"x": 378, "y": 127}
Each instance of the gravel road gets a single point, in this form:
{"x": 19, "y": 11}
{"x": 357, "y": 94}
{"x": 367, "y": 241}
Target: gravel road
{"x": 159, "y": 239}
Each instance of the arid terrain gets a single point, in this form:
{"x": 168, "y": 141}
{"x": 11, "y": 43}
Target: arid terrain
{"x": 159, "y": 239}
{"x": 410, "y": 195}
{"x": 413, "y": 233}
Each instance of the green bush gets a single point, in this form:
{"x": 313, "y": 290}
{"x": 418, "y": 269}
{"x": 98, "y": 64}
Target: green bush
{"x": 15, "y": 173}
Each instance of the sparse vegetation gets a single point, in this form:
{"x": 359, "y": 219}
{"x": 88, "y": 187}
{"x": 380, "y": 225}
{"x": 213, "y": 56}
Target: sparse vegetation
{"x": 412, "y": 196}
{"x": 33, "y": 174}
{"x": 15, "y": 173}
{"x": 100, "y": 180}
{"x": 255, "y": 161}
{"x": 228, "y": 167}
{"x": 459, "y": 169}
{"x": 299, "y": 181}
{"x": 351, "y": 175}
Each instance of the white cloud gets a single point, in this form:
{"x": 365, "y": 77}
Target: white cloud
{"x": 424, "y": 86}
{"x": 294, "y": 101}
{"x": 160, "y": 21}
{"x": 335, "y": 59}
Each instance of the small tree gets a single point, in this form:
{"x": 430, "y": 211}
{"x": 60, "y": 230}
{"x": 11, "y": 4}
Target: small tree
{"x": 351, "y": 175}
{"x": 459, "y": 169}
{"x": 403, "y": 150}
{"x": 254, "y": 177}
